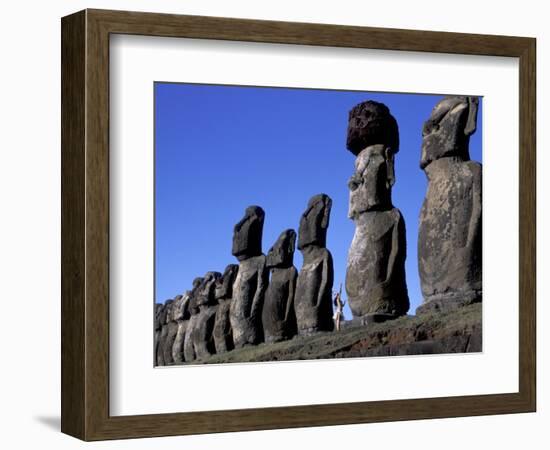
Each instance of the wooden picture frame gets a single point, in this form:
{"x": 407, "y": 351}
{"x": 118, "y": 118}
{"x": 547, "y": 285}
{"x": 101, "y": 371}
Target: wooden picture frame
{"x": 85, "y": 224}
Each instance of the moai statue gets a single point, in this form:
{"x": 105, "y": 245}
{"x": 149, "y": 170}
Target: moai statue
{"x": 181, "y": 315}
{"x": 251, "y": 281}
{"x": 375, "y": 276}
{"x": 172, "y": 330}
{"x": 203, "y": 340}
{"x": 449, "y": 234}
{"x": 193, "y": 309}
{"x": 313, "y": 298}
{"x": 278, "y": 316}
{"x": 159, "y": 309}
{"x": 223, "y": 335}
{"x": 165, "y": 317}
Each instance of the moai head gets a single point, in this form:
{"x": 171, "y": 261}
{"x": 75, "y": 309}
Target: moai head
{"x": 247, "y": 234}
{"x": 178, "y": 307}
{"x": 192, "y": 306}
{"x": 159, "y": 309}
{"x": 205, "y": 292}
{"x": 282, "y": 252}
{"x": 447, "y": 132}
{"x": 371, "y": 123}
{"x": 224, "y": 285}
{"x": 314, "y": 222}
{"x": 370, "y": 185}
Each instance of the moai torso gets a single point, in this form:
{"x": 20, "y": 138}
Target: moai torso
{"x": 313, "y": 297}
{"x": 223, "y": 335}
{"x": 375, "y": 276}
{"x": 203, "y": 340}
{"x": 251, "y": 281}
{"x": 449, "y": 236}
{"x": 278, "y": 315}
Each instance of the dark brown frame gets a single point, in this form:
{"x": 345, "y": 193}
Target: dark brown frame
{"x": 85, "y": 224}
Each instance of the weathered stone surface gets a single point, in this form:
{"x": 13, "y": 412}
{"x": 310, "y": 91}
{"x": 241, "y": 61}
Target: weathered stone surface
{"x": 371, "y": 123}
{"x": 203, "y": 339}
{"x": 458, "y": 331}
{"x": 375, "y": 276}
{"x": 278, "y": 316}
{"x": 251, "y": 281}
{"x": 313, "y": 297}
{"x": 449, "y": 236}
{"x": 223, "y": 334}
{"x": 193, "y": 309}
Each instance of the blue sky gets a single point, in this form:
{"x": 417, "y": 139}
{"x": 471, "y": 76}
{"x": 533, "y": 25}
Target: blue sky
{"x": 219, "y": 149}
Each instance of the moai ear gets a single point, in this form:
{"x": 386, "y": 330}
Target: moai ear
{"x": 326, "y": 212}
{"x": 292, "y": 244}
{"x": 471, "y": 122}
{"x": 390, "y": 166}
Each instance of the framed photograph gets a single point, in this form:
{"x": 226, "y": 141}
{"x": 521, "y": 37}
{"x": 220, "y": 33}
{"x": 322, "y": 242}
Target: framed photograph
{"x": 272, "y": 225}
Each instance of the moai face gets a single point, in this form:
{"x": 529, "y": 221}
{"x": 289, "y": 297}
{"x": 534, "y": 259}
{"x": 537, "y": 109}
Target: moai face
{"x": 370, "y": 185}
{"x": 282, "y": 252}
{"x": 205, "y": 292}
{"x": 247, "y": 234}
{"x": 224, "y": 285}
{"x": 447, "y": 132}
{"x": 371, "y": 123}
{"x": 314, "y": 222}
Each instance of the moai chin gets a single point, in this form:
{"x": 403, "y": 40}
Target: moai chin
{"x": 375, "y": 276}
{"x": 251, "y": 281}
{"x": 313, "y": 297}
{"x": 223, "y": 334}
{"x": 278, "y": 316}
{"x": 449, "y": 234}
{"x": 193, "y": 312}
{"x": 203, "y": 339}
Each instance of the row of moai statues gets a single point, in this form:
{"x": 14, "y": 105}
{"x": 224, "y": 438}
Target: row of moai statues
{"x": 449, "y": 239}
{"x": 265, "y": 299}
{"x": 262, "y": 299}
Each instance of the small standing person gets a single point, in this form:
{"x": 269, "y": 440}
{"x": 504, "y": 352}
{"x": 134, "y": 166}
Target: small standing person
{"x": 339, "y": 308}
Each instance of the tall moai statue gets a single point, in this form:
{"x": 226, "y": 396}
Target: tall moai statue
{"x": 375, "y": 276}
{"x": 165, "y": 317}
{"x": 203, "y": 339}
{"x": 223, "y": 334}
{"x": 181, "y": 317}
{"x": 159, "y": 310}
{"x": 193, "y": 309}
{"x": 313, "y": 298}
{"x": 172, "y": 330}
{"x": 252, "y": 278}
{"x": 449, "y": 235}
{"x": 278, "y": 316}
